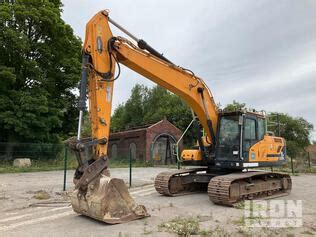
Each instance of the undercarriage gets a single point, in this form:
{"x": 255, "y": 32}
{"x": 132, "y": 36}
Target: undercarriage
{"x": 224, "y": 187}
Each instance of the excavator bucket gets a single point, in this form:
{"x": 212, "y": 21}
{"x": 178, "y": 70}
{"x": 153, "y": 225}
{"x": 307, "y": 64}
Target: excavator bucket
{"x": 107, "y": 199}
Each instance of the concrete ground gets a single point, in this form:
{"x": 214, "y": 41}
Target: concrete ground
{"x": 22, "y": 216}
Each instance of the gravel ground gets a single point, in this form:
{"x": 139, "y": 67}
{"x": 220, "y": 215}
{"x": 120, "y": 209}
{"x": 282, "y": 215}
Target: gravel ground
{"x": 17, "y": 191}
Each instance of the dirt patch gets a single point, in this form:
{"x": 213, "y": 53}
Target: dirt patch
{"x": 41, "y": 195}
{"x": 3, "y": 196}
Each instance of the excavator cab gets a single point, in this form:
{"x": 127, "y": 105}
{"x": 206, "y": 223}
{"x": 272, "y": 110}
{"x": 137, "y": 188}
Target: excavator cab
{"x": 243, "y": 142}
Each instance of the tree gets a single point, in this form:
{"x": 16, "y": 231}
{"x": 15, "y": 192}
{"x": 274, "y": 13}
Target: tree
{"x": 234, "y": 106}
{"x": 146, "y": 106}
{"x": 39, "y": 68}
{"x": 130, "y": 114}
{"x": 160, "y": 103}
{"x": 296, "y": 131}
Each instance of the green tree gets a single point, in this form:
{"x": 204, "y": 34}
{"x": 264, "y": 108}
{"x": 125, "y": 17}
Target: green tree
{"x": 234, "y": 106}
{"x": 296, "y": 131}
{"x": 150, "y": 105}
{"x": 160, "y": 103}
{"x": 147, "y": 106}
{"x": 117, "y": 119}
{"x": 130, "y": 114}
{"x": 39, "y": 68}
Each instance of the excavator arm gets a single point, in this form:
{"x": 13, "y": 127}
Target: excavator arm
{"x": 96, "y": 194}
{"x": 102, "y": 51}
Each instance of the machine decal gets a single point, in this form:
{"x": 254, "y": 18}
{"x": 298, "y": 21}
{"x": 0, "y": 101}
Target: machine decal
{"x": 250, "y": 164}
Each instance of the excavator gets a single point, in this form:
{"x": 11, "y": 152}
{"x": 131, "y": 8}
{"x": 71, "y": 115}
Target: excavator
{"x": 228, "y": 143}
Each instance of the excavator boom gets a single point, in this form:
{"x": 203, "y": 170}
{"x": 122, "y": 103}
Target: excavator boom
{"x": 104, "y": 51}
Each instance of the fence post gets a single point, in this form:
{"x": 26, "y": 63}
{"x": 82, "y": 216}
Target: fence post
{"x": 65, "y": 166}
{"x": 130, "y": 167}
{"x": 292, "y": 165}
{"x": 178, "y": 160}
{"x": 309, "y": 160}
{"x": 278, "y": 119}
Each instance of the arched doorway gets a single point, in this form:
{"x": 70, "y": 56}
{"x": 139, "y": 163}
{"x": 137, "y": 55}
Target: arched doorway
{"x": 162, "y": 153}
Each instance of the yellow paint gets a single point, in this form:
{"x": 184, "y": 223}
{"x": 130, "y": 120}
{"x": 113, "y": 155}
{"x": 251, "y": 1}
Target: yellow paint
{"x": 268, "y": 145}
{"x": 191, "y": 155}
{"x": 99, "y": 91}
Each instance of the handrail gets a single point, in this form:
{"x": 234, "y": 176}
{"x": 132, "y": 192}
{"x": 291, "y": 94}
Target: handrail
{"x": 177, "y": 144}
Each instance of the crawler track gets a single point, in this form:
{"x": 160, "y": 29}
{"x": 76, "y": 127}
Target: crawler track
{"x": 227, "y": 189}
{"x": 173, "y": 183}
{"x": 232, "y": 188}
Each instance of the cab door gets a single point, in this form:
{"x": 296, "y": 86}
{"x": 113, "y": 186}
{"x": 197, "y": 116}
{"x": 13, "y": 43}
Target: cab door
{"x": 250, "y": 136}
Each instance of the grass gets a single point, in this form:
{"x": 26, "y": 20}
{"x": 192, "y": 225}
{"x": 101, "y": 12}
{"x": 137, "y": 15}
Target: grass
{"x": 239, "y": 222}
{"x": 125, "y": 164}
{"x": 181, "y": 226}
{"x": 58, "y": 164}
{"x": 307, "y": 232}
{"x": 297, "y": 171}
{"x": 44, "y": 164}
{"x": 6, "y": 167}
{"x": 205, "y": 233}
{"x": 251, "y": 220}
{"x": 220, "y": 231}
{"x": 240, "y": 205}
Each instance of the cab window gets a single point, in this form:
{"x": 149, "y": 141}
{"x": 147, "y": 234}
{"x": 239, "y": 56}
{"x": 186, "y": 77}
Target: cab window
{"x": 249, "y": 134}
{"x": 229, "y": 131}
{"x": 261, "y": 128}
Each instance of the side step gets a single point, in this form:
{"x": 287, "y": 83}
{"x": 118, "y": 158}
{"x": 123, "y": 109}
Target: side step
{"x": 232, "y": 188}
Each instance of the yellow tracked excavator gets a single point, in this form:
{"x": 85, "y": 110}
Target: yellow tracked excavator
{"x": 232, "y": 142}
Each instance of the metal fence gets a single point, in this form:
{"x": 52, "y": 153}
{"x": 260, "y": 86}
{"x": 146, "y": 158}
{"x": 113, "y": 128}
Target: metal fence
{"x": 303, "y": 163}
{"x": 46, "y": 157}
{"x": 43, "y": 157}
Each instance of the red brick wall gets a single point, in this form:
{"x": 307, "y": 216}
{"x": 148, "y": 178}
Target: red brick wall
{"x": 123, "y": 141}
{"x": 312, "y": 152}
{"x": 162, "y": 127}
{"x": 143, "y": 138}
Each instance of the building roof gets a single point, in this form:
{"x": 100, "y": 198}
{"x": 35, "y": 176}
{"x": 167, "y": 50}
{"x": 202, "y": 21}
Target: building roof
{"x": 144, "y": 127}
{"x": 311, "y": 148}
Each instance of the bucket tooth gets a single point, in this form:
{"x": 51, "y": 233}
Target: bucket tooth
{"x": 107, "y": 199}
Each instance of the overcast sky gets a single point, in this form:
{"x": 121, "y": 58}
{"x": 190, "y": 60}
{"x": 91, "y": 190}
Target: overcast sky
{"x": 262, "y": 53}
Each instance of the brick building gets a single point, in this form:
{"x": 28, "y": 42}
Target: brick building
{"x": 311, "y": 149}
{"x": 151, "y": 143}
